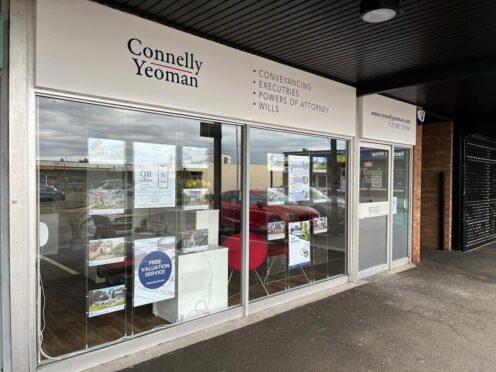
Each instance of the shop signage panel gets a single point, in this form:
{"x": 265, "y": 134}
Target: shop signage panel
{"x": 385, "y": 119}
{"x": 105, "y": 53}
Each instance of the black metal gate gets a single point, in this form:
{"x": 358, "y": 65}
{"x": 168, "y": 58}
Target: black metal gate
{"x": 479, "y": 195}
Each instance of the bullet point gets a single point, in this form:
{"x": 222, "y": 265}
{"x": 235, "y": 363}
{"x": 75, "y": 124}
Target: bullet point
{"x": 254, "y": 92}
{"x": 254, "y": 70}
{"x": 254, "y": 103}
{"x": 254, "y": 81}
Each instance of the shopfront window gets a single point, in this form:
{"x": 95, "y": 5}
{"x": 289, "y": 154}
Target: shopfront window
{"x": 135, "y": 209}
{"x": 298, "y": 209}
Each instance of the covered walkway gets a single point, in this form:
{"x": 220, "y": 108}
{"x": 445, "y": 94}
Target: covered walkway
{"x": 438, "y": 316}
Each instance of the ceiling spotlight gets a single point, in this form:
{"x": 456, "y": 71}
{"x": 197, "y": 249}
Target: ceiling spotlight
{"x": 376, "y": 11}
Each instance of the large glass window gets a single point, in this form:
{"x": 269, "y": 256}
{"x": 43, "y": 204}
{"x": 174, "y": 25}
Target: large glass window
{"x": 298, "y": 208}
{"x": 134, "y": 211}
{"x": 141, "y": 215}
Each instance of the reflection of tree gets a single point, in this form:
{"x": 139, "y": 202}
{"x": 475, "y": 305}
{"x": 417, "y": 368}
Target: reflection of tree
{"x": 306, "y": 232}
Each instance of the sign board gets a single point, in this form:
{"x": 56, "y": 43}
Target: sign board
{"x": 105, "y": 53}
{"x": 385, "y": 119}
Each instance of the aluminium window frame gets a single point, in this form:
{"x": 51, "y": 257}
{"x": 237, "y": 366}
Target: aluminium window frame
{"x": 246, "y": 308}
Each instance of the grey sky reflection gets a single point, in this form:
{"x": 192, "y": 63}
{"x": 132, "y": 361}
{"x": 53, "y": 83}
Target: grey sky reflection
{"x": 263, "y": 141}
{"x": 65, "y": 126}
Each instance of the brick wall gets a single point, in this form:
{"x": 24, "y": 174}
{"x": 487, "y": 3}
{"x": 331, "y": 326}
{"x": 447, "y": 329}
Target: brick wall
{"x": 416, "y": 201}
{"x": 437, "y": 157}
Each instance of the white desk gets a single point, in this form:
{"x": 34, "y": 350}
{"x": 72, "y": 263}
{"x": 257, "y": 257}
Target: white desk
{"x": 201, "y": 285}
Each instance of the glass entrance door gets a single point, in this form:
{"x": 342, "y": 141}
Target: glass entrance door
{"x": 384, "y": 208}
{"x": 374, "y": 209}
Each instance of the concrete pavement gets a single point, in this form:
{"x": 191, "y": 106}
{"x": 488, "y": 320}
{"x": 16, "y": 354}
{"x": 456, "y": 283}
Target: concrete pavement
{"x": 439, "y": 316}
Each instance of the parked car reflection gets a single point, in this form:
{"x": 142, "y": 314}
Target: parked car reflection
{"x": 334, "y": 210}
{"x": 260, "y": 210}
{"x": 50, "y": 193}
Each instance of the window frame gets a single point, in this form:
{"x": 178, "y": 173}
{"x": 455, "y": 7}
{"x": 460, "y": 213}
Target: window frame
{"x": 246, "y": 307}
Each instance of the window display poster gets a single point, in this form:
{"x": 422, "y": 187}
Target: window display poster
{"x": 275, "y": 195}
{"x": 194, "y": 240}
{"x": 372, "y": 178}
{"x": 299, "y": 244}
{"x": 106, "y": 300}
{"x": 195, "y": 157}
{"x": 395, "y": 204}
{"x": 319, "y": 164}
{"x": 319, "y": 225}
{"x": 106, "y": 251}
{"x": 299, "y": 180}
{"x": 105, "y": 201}
{"x": 275, "y": 162}
{"x": 194, "y": 199}
{"x": 154, "y": 270}
{"x": 276, "y": 230}
{"x": 105, "y": 151}
{"x": 154, "y": 175}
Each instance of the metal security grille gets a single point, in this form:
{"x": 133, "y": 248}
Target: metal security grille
{"x": 479, "y": 198}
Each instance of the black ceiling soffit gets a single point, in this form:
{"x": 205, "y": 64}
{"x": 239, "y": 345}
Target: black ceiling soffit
{"x": 424, "y": 48}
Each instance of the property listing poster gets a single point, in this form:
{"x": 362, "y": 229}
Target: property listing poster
{"x": 319, "y": 164}
{"x": 275, "y": 162}
{"x": 195, "y": 199}
{"x": 299, "y": 177}
{"x": 154, "y": 270}
{"x": 154, "y": 175}
{"x": 105, "y": 201}
{"x": 195, "y": 157}
{"x": 105, "y": 151}
{"x": 105, "y": 251}
{"x": 319, "y": 225}
{"x": 276, "y": 230}
{"x": 299, "y": 244}
{"x": 106, "y": 300}
{"x": 194, "y": 240}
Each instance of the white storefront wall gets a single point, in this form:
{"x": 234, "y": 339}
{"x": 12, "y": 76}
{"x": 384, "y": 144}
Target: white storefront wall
{"x": 104, "y": 53}
{"x": 383, "y": 121}
{"x": 386, "y": 120}
{"x": 87, "y": 51}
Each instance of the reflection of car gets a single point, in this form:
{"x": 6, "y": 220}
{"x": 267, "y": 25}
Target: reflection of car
{"x": 50, "y": 193}
{"x": 114, "y": 184}
{"x": 107, "y": 226}
{"x": 260, "y": 211}
{"x": 334, "y": 211}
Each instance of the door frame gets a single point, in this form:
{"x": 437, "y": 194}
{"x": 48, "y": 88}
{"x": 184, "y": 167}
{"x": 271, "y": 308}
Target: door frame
{"x": 390, "y": 262}
{"x": 387, "y": 265}
{"x": 405, "y": 260}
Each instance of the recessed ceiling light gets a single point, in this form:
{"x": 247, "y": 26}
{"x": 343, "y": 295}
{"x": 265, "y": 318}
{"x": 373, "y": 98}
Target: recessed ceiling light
{"x": 376, "y": 11}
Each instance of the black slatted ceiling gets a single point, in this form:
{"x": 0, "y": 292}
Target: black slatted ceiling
{"x": 328, "y": 37}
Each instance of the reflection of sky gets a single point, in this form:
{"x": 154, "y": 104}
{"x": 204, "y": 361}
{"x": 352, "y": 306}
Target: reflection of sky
{"x": 65, "y": 126}
{"x": 263, "y": 141}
